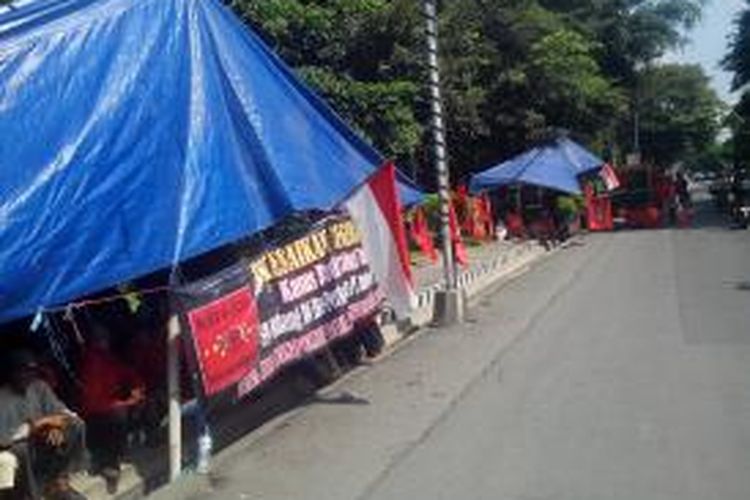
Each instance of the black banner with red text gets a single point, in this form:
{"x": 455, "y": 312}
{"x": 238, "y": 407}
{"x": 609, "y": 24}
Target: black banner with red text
{"x": 249, "y": 320}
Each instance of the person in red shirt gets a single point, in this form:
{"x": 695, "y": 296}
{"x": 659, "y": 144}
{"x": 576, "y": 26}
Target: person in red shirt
{"x": 111, "y": 399}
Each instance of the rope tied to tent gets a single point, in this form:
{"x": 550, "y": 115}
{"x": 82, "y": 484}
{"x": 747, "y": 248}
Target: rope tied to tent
{"x": 127, "y": 296}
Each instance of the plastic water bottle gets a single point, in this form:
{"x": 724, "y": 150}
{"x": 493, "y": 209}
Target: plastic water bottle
{"x": 205, "y": 446}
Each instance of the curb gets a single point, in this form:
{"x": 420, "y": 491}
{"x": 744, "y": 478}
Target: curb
{"x": 472, "y": 282}
{"x": 479, "y": 278}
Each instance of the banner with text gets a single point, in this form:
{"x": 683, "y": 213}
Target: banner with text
{"x": 251, "y": 319}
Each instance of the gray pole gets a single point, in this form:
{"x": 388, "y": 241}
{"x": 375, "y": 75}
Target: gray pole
{"x": 449, "y": 302}
{"x": 438, "y": 143}
{"x": 173, "y": 397}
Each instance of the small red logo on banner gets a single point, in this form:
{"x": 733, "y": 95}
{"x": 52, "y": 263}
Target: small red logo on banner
{"x": 225, "y": 333}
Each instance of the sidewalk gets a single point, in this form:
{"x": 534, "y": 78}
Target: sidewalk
{"x": 291, "y": 395}
{"x": 487, "y": 264}
{"x": 343, "y": 442}
{"x": 428, "y": 274}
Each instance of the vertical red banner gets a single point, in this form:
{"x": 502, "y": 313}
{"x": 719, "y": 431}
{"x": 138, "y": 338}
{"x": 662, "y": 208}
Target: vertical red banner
{"x": 598, "y": 211}
{"x": 420, "y": 234}
{"x": 459, "y": 250}
{"x": 226, "y": 337}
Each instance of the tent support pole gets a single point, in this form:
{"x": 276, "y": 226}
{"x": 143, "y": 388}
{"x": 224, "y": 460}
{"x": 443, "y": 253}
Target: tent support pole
{"x": 173, "y": 389}
{"x": 449, "y": 301}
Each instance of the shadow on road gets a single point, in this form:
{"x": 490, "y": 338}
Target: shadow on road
{"x": 343, "y": 398}
{"x": 571, "y": 244}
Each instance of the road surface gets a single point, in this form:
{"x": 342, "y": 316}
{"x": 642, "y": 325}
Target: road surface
{"x": 617, "y": 369}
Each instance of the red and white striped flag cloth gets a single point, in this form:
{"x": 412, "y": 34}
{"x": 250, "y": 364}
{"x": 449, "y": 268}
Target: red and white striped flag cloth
{"x": 459, "y": 250}
{"x": 609, "y": 176}
{"x": 376, "y": 209}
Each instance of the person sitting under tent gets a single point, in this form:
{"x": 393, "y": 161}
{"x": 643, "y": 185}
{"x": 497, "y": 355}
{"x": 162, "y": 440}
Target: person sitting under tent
{"x": 366, "y": 340}
{"x": 515, "y": 225}
{"x": 8, "y": 470}
{"x": 41, "y": 440}
{"x": 542, "y": 228}
{"x": 560, "y": 224}
{"x": 682, "y": 189}
{"x": 112, "y": 398}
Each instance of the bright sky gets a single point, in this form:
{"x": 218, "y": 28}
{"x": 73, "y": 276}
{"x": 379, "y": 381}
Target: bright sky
{"x": 707, "y": 47}
{"x": 709, "y": 43}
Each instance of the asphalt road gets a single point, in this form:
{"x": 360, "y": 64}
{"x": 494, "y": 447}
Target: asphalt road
{"x": 617, "y": 369}
{"x": 635, "y": 384}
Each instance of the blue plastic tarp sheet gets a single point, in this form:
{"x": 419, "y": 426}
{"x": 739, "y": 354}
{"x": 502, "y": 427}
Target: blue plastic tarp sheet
{"x": 408, "y": 191}
{"x": 556, "y": 165}
{"x": 579, "y": 158}
{"x": 138, "y": 133}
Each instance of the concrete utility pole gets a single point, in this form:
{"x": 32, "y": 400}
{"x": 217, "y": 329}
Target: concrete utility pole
{"x": 448, "y": 302}
{"x": 173, "y": 397}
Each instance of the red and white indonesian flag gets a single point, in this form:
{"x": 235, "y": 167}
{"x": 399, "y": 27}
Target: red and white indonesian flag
{"x": 376, "y": 209}
{"x": 609, "y": 176}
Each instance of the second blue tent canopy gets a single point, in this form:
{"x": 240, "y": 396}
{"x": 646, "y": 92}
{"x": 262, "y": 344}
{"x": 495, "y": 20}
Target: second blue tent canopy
{"x": 554, "y": 165}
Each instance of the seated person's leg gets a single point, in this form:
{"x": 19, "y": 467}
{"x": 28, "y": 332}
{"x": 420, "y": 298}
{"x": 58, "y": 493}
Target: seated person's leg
{"x": 372, "y": 339}
{"x": 8, "y": 469}
{"x": 149, "y": 418}
{"x": 347, "y": 351}
{"x": 107, "y": 434}
{"x": 54, "y": 461}
{"x": 75, "y": 450}
{"x": 26, "y": 485}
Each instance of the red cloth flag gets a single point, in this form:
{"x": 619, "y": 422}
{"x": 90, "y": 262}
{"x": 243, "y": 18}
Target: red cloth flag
{"x": 459, "y": 250}
{"x": 598, "y": 210}
{"x": 609, "y": 176}
{"x": 484, "y": 215}
{"x": 376, "y": 209}
{"x": 225, "y": 333}
{"x": 515, "y": 226}
{"x": 464, "y": 209}
{"x": 471, "y": 224}
{"x": 420, "y": 234}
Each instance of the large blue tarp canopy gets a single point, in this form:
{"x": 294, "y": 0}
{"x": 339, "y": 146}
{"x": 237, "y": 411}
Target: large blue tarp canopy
{"x": 408, "y": 190}
{"x": 554, "y": 165}
{"x": 138, "y": 133}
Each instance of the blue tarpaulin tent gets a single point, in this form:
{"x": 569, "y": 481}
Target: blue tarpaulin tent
{"x": 409, "y": 192}
{"x": 137, "y": 133}
{"x": 554, "y": 165}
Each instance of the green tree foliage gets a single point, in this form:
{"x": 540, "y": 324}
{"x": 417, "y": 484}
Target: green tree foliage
{"x": 484, "y": 80}
{"x": 511, "y": 69}
{"x": 716, "y": 158}
{"x": 567, "y": 81}
{"x": 739, "y": 124}
{"x": 738, "y": 59}
{"x": 681, "y": 114}
{"x": 631, "y": 32}
{"x": 359, "y": 54}
{"x": 738, "y": 62}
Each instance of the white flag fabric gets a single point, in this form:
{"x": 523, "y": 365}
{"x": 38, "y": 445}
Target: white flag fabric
{"x": 376, "y": 209}
{"x": 609, "y": 176}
